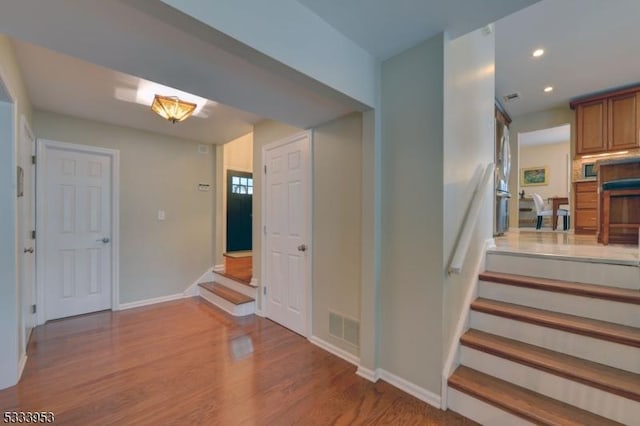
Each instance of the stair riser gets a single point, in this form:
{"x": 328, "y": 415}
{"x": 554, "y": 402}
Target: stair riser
{"x": 481, "y": 412}
{"x": 588, "y": 398}
{"x": 233, "y": 285}
{"x": 587, "y": 307}
{"x": 596, "y": 350}
{"x": 235, "y": 310}
{"x": 568, "y": 270}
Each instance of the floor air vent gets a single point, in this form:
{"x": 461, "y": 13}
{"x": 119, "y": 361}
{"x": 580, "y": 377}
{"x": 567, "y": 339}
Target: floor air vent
{"x": 344, "y": 328}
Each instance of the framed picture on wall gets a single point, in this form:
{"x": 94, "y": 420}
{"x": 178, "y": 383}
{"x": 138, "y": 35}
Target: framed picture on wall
{"x": 534, "y": 176}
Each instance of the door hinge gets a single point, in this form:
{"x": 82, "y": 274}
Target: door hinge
{"x": 33, "y": 309}
{"x": 265, "y": 169}
{"x": 33, "y": 235}
{"x": 264, "y": 229}
{"x": 264, "y": 291}
{"x": 33, "y": 159}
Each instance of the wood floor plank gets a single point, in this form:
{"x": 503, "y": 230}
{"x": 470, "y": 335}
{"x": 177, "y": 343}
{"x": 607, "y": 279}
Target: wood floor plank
{"x": 226, "y": 293}
{"x": 187, "y": 362}
{"x": 614, "y": 380}
{"x": 522, "y": 402}
{"x": 588, "y": 327}
{"x": 578, "y": 289}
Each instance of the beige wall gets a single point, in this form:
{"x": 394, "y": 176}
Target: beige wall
{"x": 337, "y": 172}
{"x": 157, "y": 258}
{"x": 527, "y": 123}
{"x": 412, "y": 215}
{"x": 468, "y": 148}
{"x": 11, "y": 297}
{"x": 236, "y": 155}
{"x": 555, "y": 157}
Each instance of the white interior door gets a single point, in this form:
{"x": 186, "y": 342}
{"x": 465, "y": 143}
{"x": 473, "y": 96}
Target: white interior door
{"x": 27, "y": 215}
{"x": 75, "y": 216}
{"x": 287, "y": 213}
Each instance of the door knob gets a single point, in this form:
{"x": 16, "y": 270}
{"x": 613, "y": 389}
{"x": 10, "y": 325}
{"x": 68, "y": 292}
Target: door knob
{"x": 104, "y": 240}
{"x": 28, "y": 250}
{"x": 302, "y": 247}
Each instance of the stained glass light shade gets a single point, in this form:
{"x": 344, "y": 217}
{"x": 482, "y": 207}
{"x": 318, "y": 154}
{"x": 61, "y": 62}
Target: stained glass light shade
{"x": 172, "y": 108}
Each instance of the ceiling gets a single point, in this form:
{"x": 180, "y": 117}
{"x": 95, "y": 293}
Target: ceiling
{"x": 549, "y": 136}
{"x": 385, "y": 28}
{"x": 67, "y": 85}
{"x": 590, "y": 46}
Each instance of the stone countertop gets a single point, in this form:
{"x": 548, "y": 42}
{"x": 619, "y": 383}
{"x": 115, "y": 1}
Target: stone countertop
{"x": 593, "y": 179}
{"x": 615, "y": 161}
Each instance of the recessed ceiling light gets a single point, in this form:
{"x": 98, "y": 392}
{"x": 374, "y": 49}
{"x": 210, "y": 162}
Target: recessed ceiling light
{"x": 548, "y": 89}
{"x": 538, "y": 52}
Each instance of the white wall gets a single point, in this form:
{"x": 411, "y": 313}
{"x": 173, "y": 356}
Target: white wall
{"x": 468, "y": 148}
{"x": 293, "y": 35}
{"x": 12, "y": 348}
{"x": 157, "y": 172}
{"x": 555, "y": 157}
{"x": 412, "y": 215}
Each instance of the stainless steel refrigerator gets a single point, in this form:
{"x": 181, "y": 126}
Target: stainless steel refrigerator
{"x": 502, "y": 172}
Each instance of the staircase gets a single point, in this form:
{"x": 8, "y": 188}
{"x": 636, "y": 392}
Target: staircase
{"x": 553, "y": 341}
{"x": 230, "y": 294}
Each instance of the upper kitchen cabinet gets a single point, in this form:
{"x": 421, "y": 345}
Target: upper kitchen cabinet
{"x": 608, "y": 122}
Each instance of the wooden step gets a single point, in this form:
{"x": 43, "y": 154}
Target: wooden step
{"x": 521, "y": 402}
{"x": 226, "y": 293}
{"x": 578, "y": 289}
{"x": 588, "y": 327}
{"x": 242, "y": 277}
{"x": 609, "y": 379}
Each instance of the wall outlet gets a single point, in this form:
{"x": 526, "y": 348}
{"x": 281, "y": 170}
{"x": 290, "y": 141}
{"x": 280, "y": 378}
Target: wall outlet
{"x": 162, "y": 215}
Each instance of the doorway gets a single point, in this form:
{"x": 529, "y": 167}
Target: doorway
{"x": 239, "y": 210}
{"x": 545, "y": 170}
{"x": 286, "y": 212}
{"x": 77, "y": 221}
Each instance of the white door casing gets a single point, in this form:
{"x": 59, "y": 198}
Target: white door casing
{"x": 27, "y": 215}
{"x": 77, "y": 229}
{"x": 287, "y": 254}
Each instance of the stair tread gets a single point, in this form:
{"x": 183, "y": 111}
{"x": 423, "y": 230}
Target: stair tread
{"x": 522, "y": 402}
{"x": 240, "y": 280}
{"x": 614, "y": 380}
{"x": 558, "y": 286}
{"x": 226, "y": 293}
{"x": 585, "y": 326}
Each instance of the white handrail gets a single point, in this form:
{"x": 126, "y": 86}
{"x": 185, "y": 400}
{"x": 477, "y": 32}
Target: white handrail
{"x": 455, "y": 267}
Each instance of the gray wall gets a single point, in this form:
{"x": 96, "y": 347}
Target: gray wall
{"x": 337, "y": 177}
{"x": 11, "y": 298}
{"x": 412, "y": 215}
{"x": 157, "y": 258}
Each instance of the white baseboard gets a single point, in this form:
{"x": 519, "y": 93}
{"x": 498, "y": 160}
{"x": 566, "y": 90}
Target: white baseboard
{"x": 192, "y": 290}
{"x": 411, "y": 388}
{"x": 260, "y": 313}
{"x": 451, "y": 362}
{"x": 21, "y": 365}
{"x": 254, "y": 282}
{"x": 218, "y": 268}
{"x": 341, "y": 353}
{"x": 152, "y": 301}
{"x": 368, "y": 374}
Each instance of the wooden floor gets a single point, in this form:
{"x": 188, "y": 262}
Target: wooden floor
{"x": 185, "y": 362}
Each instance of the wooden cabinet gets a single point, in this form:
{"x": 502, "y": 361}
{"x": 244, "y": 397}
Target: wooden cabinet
{"x": 609, "y": 122}
{"x": 586, "y": 207}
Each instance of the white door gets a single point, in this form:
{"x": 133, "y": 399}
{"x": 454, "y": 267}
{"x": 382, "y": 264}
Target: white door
{"x": 287, "y": 213}
{"x": 75, "y": 218}
{"x": 27, "y": 218}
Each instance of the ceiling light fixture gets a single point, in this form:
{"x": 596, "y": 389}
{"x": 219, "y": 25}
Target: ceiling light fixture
{"x": 548, "y": 89}
{"x": 172, "y": 108}
{"x": 538, "y": 52}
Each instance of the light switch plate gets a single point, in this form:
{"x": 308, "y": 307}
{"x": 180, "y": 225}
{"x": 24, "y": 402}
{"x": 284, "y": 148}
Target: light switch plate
{"x": 162, "y": 215}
